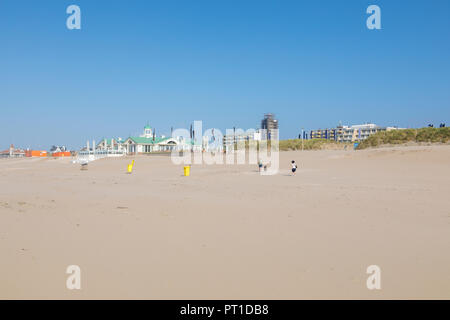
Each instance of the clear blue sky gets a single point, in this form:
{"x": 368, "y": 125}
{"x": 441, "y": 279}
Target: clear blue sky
{"x": 226, "y": 62}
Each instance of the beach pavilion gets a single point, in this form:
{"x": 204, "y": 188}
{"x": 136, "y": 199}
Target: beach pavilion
{"x": 148, "y": 142}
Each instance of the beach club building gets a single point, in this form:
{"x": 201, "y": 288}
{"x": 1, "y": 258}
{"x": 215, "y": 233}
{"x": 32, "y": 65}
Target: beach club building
{"x": 135, "y": 145}
{"x": 147, "y": 142}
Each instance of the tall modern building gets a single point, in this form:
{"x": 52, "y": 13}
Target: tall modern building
{"x": 269, "y": 127}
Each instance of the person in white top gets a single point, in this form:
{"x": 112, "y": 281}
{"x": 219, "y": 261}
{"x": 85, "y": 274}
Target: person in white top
{"x": 294, "y": 167}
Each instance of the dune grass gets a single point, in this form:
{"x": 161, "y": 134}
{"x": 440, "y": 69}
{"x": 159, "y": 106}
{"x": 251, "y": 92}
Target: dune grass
{"x": 312, "y": 144}
{"x": 393, "y": 137}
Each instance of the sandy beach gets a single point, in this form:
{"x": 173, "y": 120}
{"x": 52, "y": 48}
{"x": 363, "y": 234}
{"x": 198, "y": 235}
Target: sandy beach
{"x": 227, "y": 232}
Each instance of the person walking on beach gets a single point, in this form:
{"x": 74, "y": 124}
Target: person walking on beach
{"x": 260, "y": 165}
{"x": 294, "y": 167}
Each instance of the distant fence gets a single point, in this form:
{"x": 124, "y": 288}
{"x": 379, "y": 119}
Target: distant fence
{"x": 88, "y": 156}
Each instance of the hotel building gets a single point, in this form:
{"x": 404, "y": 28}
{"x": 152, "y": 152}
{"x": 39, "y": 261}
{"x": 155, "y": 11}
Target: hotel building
{"x": 349, "y": 133}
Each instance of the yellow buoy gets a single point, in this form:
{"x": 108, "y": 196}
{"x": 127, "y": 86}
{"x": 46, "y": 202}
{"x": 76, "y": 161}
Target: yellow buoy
{"x": 187, "y": 171}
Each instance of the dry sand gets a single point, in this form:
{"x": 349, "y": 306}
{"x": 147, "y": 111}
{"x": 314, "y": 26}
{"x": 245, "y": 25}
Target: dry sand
{"x": 227, "y": 232}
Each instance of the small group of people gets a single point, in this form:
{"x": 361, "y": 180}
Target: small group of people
{"x": 261, "y": 166}
{"x": 441, "y": 125}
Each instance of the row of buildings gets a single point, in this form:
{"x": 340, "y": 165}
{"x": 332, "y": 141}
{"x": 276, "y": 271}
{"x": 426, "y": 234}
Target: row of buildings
{"x": 14, "y": 152}
{"x": 355, "y": 133}
{"x": 148, "y": 142}
{"x": 341, "y": 133}
{"x": 269, "y": 130}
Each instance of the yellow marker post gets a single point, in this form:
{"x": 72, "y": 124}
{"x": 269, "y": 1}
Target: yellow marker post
{"x": 130, "y": 167}
{"x": 187, "y": 171}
